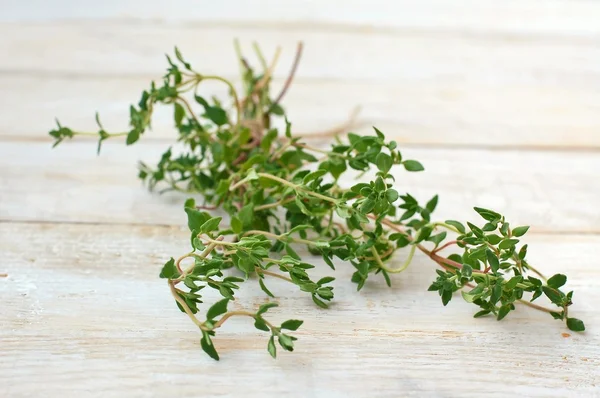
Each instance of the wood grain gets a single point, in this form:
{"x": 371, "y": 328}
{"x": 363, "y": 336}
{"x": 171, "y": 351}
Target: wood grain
{"x": 81, "y": 305}
{"x": 445, "y": 113}
{"x": 551, "y": 191}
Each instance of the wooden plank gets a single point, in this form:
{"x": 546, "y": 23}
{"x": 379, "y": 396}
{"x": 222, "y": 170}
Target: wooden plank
{"x": 85, "y": 314}
{"x": 551, "y": 191}
{"x": 109, "y": 48}
{"x": 449, "y": 113}
{"x": 551, "y": 17}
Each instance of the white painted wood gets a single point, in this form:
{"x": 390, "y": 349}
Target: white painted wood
{"x": 573, "y": 18}
{"x": 85, "y": 314}
{"x": 115, "y": 47}
{"x": 447, "y": 113}
{"x": 551, "y": 191}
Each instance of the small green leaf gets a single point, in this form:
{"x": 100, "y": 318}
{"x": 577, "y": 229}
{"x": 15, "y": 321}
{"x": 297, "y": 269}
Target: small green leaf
{"x": 178, "y": 114}
{"x": 391, "y": 195}
{"x": 504, "y": 310}
{"x": 507, "y": 243}
{"x": 271, "y": 347}
{"x": 265, "y": 307}
{"x": 557, "y": 281}
{"x": 286, "y": 342}
{"x": 208, "y": 346}
{"x": 488, "y": 215}
{"x": 457, "y": 225}
{"x": 384, "y": 162}
{"x": 492, "y": 260}
{"x": 264, "y": 288}
{"x": 169, "y": 270}
{"x": 236, "y": 225}
{"x": 553, "y": 295}
{"x": 575, "y": 325}
{"x": 413, "y": 165}
{"x": 292, "y": 324}
{"x": 432, "y": 204}
{"x": 314, "y": 175}
{"x": 520, "y": 231}
{"x": 218, "y": 308}
{"x": 210, "y": 225}
{"x": 260, "y": 324}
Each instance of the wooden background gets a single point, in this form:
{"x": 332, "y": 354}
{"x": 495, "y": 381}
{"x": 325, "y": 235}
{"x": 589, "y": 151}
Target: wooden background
{"x": 499, "y": 99}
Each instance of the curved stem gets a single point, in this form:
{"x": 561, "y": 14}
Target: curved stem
{"x": 288, "y": 81}
{"x": 185, "y": 307}
{"x": 236, "y": 98}
{"x": 280, "y": 202}
{"x": 394, "y": 270}
{"x": 296, "y": 186}
{"x": 273, "y": 274}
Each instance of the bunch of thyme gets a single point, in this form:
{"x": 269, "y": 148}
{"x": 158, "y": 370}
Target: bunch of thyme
{"x": 281, "y": 193}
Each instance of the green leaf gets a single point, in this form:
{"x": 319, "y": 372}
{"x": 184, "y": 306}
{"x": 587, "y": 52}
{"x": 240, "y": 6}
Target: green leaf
{"x": 469, "y": 298}
{"x": 264, "y": 288}
{"x": 236, "y": 225}
{"x": 367, "y": 206}
{"x": 210, "y": 225}
{"x": 492, "y": 260}
{"x": 208, "y": 346}
{"x": 260, "y": 324}
{"x": 195, "y": 218}
{"x": 292, "y": 324}
{"x": 132, "y": 137}
{"x": 286, "y": 342}
{"x": 265, "y": 307}
{"x": 218, "y": 308}
{"x": 488, "y": 215}
{"x": 319, "y": 302}
{"x": 446, "y": 297}
{"x": 324, "y": 280}
{"x": 178, "y": 113}
{"x": 246, "y": 214}
{"x": 508, "y": 243}
{"x": 343, "y": 211}
{"x": 553, "y": 295}
{"x": 557, "y": 281}
{"x": 481, "y": 313}
{"x": 216, "y": 115}
{"x": 504, "y": 310}
{"x": 432, "y": 204}
{"x": 169, "y": 270}
{"x": 493, "y": 239}
{"x": 314, "y": 175}
{"x": 271, "y": 347}
{"x": 391, "y": 195}
{"x": 413, "y": 165}
{"x": 575, "y": 325}
{"x": 384, "y": 162}
{"x": 520, "y": 231}
{"x": 457, "y": 225}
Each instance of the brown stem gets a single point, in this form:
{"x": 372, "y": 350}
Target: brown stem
{"x": 452, "y": 242}
{"x": 290, "y": 77}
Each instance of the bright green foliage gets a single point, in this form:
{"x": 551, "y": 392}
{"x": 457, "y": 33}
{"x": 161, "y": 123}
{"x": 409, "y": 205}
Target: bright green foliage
{"x": 281, "y": 194}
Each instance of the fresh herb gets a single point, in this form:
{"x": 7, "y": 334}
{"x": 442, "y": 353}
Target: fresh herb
{"x": 281, "y": 193}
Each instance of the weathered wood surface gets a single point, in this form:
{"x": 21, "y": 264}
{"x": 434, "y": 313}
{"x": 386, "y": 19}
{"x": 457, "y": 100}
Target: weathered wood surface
{"x": 499, "y": 100}
{"x": 85, "y": 314}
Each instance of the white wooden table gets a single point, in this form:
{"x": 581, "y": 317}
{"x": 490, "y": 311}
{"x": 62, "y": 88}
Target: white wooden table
{"x": 499, "y": 100}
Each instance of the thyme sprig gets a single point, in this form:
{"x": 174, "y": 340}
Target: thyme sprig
{"x": 281, "y": 193}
